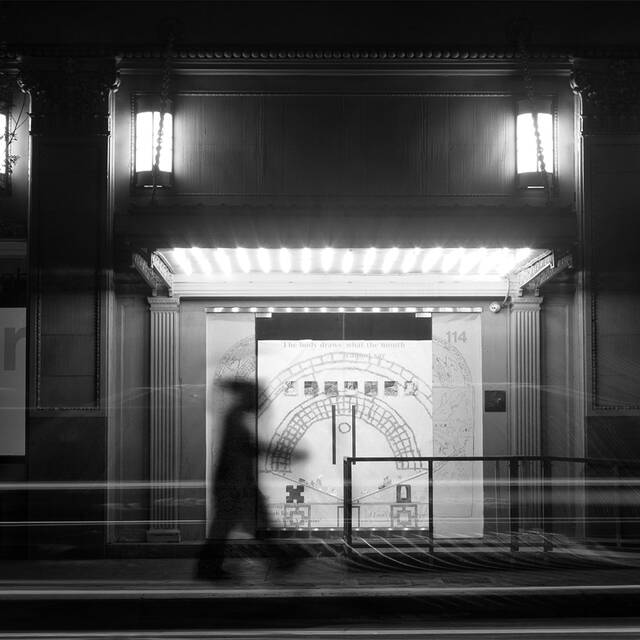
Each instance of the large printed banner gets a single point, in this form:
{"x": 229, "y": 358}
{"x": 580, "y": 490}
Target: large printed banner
{"x": 12, "y": 381}
{"x": 323, "y": 398}
{"x": 457, "y": 424}
{"x": 231, "y": 354}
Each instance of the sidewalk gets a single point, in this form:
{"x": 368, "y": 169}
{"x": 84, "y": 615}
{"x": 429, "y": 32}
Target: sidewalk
{"x": 552, "y": 573}
{"x": 143, "y": 594}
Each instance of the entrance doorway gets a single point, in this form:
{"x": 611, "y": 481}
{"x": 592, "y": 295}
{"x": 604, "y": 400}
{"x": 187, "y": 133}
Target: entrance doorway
{"x": 377, "y": 384}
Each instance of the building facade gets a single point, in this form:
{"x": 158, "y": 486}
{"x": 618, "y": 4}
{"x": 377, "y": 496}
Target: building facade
{"x": 363, "y": 228}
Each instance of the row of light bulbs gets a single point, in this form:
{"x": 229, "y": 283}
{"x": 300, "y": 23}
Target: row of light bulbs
{"x": 419, "y": 310}
{"x": 461, "y": 261}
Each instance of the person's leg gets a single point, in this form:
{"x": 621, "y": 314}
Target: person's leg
{"x": 213, "y": 551}
{"x": 279, "y": 552}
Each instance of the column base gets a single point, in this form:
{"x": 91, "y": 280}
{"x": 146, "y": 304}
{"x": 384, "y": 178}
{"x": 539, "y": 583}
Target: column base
{"x": 163, "y": 535}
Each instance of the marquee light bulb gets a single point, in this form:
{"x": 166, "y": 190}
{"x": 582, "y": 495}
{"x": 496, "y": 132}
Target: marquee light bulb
{"x": 180, "y": 256}
{"x": 488, "y": 262}
{"x": 347, "y": 261}
{"x": 264, "y": 260}
{"x": 326, "y": 258}
{"x": 430, "y": 259}
{"x": 201, "y": 259}
{"x": 504, "y": 261}
{"x": 409, "y": 260}
{"x": 242, "y": 258}
{"x": 389, "y": 259}
{"x": 223, "y": 261}
{"x": 285, "y": 260}
{"x": 451, "y": 258}
{"x": 369, "y": 259}
{"x": 305, "y": 260}
{"x": 471, "y": 259}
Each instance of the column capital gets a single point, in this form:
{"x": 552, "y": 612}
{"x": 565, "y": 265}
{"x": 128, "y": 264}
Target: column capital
{"x": 69, "y": 96}
{"x": 610, "y": 93}
{"x": 162, "y": 303}
{"x": 526, "y": 303}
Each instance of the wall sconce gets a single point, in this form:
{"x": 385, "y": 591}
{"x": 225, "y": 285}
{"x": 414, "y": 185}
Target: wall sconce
{"x": 529, "y": 168}
{"x": 149, "y": 115}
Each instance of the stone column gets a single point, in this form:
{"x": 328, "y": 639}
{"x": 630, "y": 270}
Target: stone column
{"x": 524, "y": 401}
{"x": 608, "y": 105}
{"x": 70, "y": 272}
{"x": 164, "y": 432}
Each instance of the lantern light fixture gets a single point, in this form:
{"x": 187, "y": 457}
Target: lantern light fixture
{"x": 4, "y": 151}
{"x": 151, "y": 120}
{"x": 531, "y": 150}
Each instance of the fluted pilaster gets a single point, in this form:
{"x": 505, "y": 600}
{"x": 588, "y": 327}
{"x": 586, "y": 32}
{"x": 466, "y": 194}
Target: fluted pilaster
{"x": 524, "y": 401}
{"x": 164, "y": 420}
{"x": 524, "y": 355}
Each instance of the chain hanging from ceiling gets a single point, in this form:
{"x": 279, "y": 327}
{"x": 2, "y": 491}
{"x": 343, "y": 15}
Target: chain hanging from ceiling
{"x": 523, "y": 53}
{"x": 164, "y": 104}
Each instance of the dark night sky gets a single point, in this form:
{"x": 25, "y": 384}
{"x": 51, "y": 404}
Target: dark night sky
{"x": 310, "y": 22}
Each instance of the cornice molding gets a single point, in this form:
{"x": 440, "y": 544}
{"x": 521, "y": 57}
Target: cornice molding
{"x": 610, "y": 95}
{"x": 208, "y": 53}
{"x": 69, "y": 95}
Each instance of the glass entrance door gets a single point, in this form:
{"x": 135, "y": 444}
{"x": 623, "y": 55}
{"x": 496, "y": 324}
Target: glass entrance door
{"x": 336, "y": 385}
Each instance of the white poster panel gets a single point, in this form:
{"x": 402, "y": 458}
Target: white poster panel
{"x": 320, "y": 399}
{"x": 13, "y": 333}
{"x": 231, "y": 354}
{"x": 457, "y": 424}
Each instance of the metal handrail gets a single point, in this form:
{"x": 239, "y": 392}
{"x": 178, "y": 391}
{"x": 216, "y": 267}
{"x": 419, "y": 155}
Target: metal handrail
{"x": 514, "y": 483}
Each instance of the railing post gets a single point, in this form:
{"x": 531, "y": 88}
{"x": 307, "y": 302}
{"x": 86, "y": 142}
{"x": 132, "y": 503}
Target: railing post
{"x": 547, "y": 513}
{"x": 514, "y": 503}
{"x": 430, "y": 463}
{"x": 347, "y": 506}
{"x": 497, "y": 492}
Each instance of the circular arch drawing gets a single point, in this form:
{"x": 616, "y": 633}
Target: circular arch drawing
{"x": 238, "y": 361}
{"x": 453, "y": 390}
{"x": 373, "y": 411}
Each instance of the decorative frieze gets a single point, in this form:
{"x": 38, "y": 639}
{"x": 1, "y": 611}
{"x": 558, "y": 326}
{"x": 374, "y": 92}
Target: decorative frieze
{"x": 69, "y": 95}
{"x": 164, "y": 432}
{"x": 610, "y": 95}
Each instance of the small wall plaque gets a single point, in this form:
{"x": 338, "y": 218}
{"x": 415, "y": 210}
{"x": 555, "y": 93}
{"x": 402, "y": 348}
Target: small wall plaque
{"x": 495, "y": 401}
